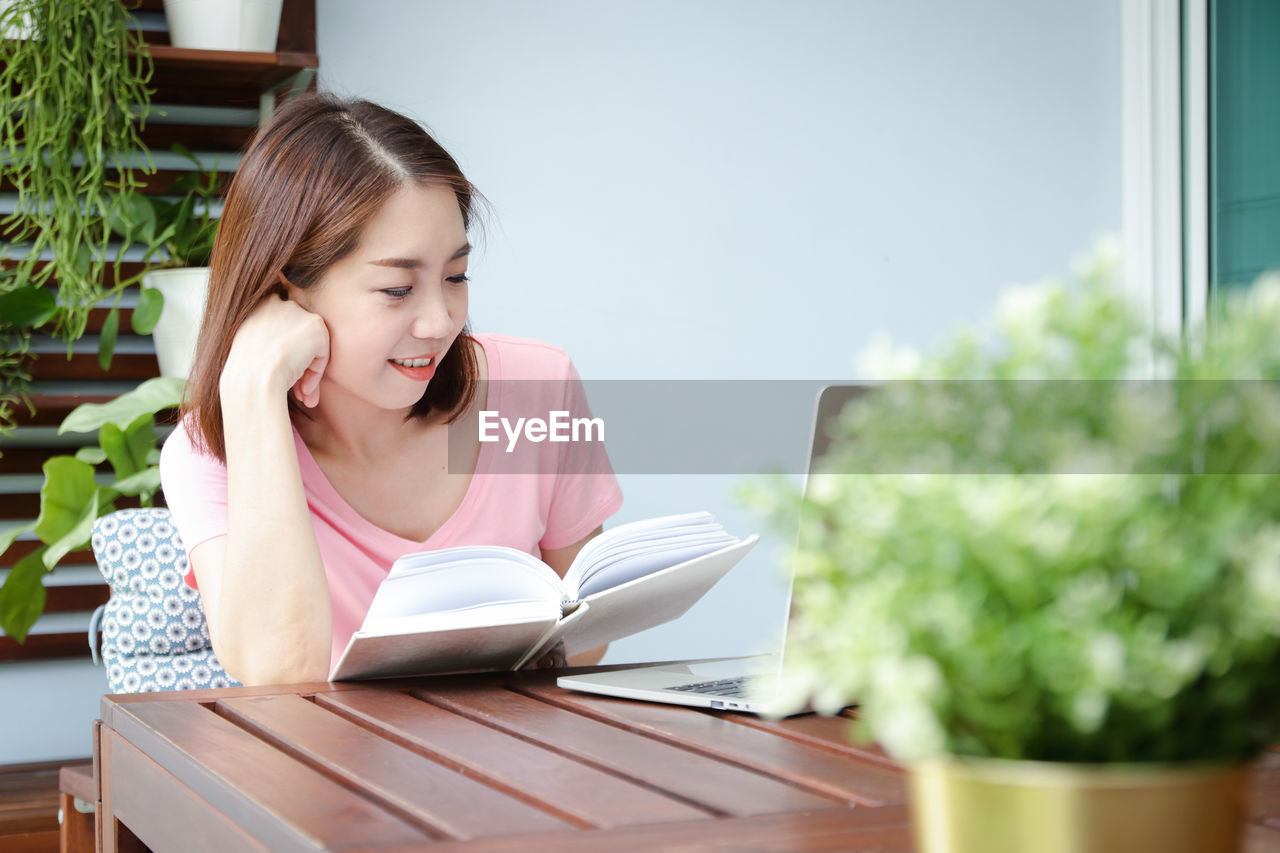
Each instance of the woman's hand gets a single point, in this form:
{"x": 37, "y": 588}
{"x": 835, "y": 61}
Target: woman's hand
{"x": 283, "y": 343}
{"x": 553, "y": 659}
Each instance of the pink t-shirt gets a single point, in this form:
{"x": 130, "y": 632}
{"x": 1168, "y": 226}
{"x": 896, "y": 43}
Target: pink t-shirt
{"x": 549, "y": 503}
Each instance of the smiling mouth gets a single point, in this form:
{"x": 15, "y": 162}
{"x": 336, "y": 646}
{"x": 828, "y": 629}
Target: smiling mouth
{"x": 419, "y": 369}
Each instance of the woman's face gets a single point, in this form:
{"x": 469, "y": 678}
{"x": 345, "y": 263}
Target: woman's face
{"x": 397, "y": 303}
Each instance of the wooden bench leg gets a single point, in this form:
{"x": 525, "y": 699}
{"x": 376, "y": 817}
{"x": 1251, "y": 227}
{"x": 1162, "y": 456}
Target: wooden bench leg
{"x": 113, "y": 836}
{"x": 78, "y": 803}
{"x": 79, "y": 834}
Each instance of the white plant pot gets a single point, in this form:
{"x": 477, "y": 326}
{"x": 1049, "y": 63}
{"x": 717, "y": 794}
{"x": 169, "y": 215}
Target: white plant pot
{"x": 184, "y": 292}
{"x": 224, "y": 24}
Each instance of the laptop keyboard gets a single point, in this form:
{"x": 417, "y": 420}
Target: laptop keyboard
{"x": 732, "y": 687}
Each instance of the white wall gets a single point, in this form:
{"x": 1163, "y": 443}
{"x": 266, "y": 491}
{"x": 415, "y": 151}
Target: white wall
{"x": 751, "y": 188}
{"x": 47, "y": 709}
{"x": 727, "y": 189}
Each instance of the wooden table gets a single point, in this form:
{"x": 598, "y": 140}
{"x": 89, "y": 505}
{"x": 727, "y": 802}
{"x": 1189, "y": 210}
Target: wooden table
{"x": 502, "y": 763}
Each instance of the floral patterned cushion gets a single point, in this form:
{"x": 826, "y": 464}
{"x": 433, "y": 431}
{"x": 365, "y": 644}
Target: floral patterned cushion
{"x": 154, "y": 635}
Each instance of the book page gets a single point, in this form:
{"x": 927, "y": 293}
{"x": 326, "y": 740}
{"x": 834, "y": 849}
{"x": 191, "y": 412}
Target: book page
{"x": 464, "y": 580}
{"x": 637, "y": 531}
{"x": 491, "y": 613}
{"x": 627, "y": 567}
{"x": 651, "y": 599}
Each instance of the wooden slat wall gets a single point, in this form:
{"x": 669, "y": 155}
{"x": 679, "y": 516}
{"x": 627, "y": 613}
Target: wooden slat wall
{"x": 214, "y": 97}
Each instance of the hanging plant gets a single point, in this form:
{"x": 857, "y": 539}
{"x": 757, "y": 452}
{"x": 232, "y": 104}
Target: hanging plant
{"x": 75, "y": 98}
{"x": 21, "y": 310}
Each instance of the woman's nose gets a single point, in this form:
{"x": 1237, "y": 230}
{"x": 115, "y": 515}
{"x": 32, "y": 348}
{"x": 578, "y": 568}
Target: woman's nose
{"x": 432, "y": 319}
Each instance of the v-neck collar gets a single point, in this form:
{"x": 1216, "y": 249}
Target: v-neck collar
{"x": 316, "y": 481}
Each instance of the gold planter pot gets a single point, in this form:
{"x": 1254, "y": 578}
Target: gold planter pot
{"x": 996, "y": 806}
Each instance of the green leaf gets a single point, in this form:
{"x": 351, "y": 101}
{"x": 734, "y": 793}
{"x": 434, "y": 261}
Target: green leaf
{"x": 75, "y": 538}
{"x": 13, "y": 532}
{"x": 146, "y": 483}
{"x": 186, "y": 229}
{"x": 127, "y": 448}
{"x": 186, "y": 183}
{"x": 107, "y": 338}
{"x": 182, "y": 150}
{"x": 27, "y": 307}
{"x": 83, "y": 258}
{"x": 166, "y": 211}
{"x": 133, "y": 217}
{"x": 92, "y": 455}
{"x": 152, "y": 396}
{"x": 111, "y": 437}
{"x": 147, "y": 312}
{"x": 164, "y": 237}
{"x": 22, "y": 596}
{"x": 68, "y": 489}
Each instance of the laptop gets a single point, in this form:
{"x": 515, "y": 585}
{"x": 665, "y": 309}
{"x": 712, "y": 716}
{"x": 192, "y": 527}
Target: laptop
{"x": 734, "y": 684}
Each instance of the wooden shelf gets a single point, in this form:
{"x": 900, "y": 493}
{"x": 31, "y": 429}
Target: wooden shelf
{"x": 181, "y": 77}
{"x": 276, "y": 67}
{"x": 223, "y": 77}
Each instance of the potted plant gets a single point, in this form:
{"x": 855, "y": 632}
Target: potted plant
{"x": 224, "y": 24}
{"x": 1053, "y": 589}
{"x": 72, "y": 497}
{"x": 75, "y": 97}
{"x": 179, "y": 231}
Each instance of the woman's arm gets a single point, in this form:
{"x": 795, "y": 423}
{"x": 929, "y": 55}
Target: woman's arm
{"x": 263, "y": 584}
{"x": 560, "y": 559}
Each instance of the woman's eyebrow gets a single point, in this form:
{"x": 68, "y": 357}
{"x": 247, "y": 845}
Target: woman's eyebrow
{"x": 414, "y": 263}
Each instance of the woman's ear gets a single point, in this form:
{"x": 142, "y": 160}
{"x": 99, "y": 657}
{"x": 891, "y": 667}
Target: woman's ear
{"x": 291, "y": 292}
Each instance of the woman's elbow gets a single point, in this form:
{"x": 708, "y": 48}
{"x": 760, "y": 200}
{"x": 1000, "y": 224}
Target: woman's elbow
{"x": 261, "y": 663}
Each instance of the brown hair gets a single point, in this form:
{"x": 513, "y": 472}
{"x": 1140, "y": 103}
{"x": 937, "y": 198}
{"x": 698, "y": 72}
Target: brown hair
{"x": 309, "y": 183}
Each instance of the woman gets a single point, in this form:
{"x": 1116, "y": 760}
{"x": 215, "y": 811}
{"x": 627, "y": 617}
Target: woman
{"x": 332, "y": 369}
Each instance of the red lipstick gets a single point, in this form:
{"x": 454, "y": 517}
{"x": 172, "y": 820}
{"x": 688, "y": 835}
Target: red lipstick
{"x": 421, "y": 373}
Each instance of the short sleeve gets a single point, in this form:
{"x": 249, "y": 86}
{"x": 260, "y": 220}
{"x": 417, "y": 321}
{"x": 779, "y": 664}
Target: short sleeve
{"x": 195, "y": 488}
{"x": 585, "y": 491}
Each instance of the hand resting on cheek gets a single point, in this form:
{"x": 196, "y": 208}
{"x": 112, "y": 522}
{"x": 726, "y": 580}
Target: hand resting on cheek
{"x": 284, "y": 343}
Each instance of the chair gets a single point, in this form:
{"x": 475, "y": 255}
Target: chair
{"x": 154, "y": 634}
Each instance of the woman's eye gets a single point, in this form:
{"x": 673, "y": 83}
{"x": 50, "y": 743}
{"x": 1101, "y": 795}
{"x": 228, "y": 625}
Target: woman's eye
{"x": 458, "y": 279}
{"x": 397, "y": 292}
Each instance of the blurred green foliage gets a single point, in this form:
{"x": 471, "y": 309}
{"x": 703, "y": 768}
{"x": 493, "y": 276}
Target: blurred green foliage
{"x": 1052, "y": 558}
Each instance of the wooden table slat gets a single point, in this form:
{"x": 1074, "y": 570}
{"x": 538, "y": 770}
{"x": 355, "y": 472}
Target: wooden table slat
{"x": 581, "y": 793}
{"x": 884, "y": 830}
{"x": 442, "y": 801}
{"x": 210, "y": 755}
{"x": 826, "y": 732}
{"x": 711, "y": 784}
{"x": 115, "y": 704}
{"x": 711, "y": 733}
{"x": 154, "y": 806}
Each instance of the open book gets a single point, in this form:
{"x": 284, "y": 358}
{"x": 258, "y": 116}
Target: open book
{"x": 488, "y": 607}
